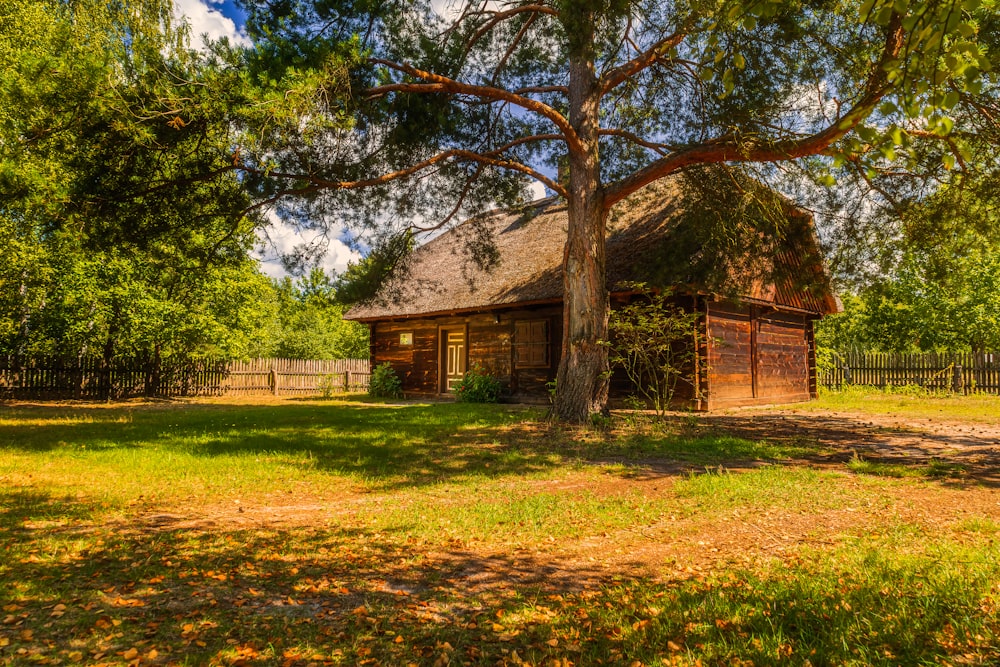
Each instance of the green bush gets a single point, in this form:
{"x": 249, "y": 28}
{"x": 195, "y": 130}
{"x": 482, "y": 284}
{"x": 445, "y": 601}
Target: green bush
{"x": 654, "y": 341}
{"x": 385, "y": 383}
{"x": 478, "y": 386}
{"x": 327, "y": 386}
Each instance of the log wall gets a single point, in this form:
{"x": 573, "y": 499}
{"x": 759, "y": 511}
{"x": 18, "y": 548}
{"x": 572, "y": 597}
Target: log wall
{"x": 757, "y": 355}
{"x": 489, "y": 345}
{"x": 754, "y": 355}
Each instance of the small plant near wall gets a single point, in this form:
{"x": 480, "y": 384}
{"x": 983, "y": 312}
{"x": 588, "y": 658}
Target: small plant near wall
{"x": 655, "y": 342}
{"x": 478, "y": 386}
{"x": 385, "y": 383}
{"x": 327, "y": 386}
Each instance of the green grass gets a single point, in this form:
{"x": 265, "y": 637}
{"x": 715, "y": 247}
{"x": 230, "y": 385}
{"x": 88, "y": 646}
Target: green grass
{"x": 910, "y": 402}
{"x": 935, "y": 468}
{"x": 457, "y": 534}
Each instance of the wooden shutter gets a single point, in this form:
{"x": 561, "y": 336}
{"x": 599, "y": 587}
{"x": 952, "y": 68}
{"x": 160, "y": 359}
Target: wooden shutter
{"x": 531, "y": 343}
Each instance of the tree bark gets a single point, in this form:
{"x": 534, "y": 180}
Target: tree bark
{"x": 582, "y": 380}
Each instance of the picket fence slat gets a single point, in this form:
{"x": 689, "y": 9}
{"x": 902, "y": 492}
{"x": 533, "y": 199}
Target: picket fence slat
{"x": 89, "y": 378}
{"x": 960, "y": 372}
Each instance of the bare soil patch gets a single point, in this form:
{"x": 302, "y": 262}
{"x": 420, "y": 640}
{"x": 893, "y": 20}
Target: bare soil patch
{"x": 878, "y": 438}
{"x": 678, "y": 547}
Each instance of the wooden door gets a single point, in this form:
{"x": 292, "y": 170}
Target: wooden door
{"x": 454, "y": 358}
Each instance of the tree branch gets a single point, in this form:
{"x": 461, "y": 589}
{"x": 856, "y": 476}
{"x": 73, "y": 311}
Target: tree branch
{"x": 636, "y": 139}
{"x": 500, "y": 17}
{"x": 952, "y": 146}
{"x": 615, "y": 77}
{"x": 442, "y": 84}
{"x": 542, "y": 89}
{"x": 734, "y": 149}
{"x": 510, "y": 49}
{"x": 456, "y": 208}
{"x": 316, "y": 183}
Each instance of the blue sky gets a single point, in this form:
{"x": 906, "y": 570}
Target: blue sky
{"x": 230, "y": 9}
{"x": 216, "y": 18}
{"x": 222, "y": 18}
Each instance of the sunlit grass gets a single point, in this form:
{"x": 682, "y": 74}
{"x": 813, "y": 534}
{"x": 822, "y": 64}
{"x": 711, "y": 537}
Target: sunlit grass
{"x": 437, "y": 539}
{"x": 911, "y": 402}
{"x": 935, "y": 468}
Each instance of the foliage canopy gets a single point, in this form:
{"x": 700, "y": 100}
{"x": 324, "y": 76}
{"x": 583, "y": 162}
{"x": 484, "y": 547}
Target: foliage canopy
{"x": 452, "y": 110}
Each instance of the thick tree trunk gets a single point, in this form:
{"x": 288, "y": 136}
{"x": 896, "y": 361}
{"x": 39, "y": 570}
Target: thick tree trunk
{"x": 582, "y": 380}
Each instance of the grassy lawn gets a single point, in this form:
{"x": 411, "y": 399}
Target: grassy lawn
{"x": 911, "y": 402}
{"x": 343, "y": 533}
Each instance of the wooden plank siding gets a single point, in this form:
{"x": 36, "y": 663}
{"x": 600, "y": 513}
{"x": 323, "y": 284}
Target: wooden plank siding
{"x": 758, "y": 355}
{"x": 730, "y": 371}
{"x": 751, "y": 354}
{"x": 489, "y": 345}
{"x": 783, "y": 352}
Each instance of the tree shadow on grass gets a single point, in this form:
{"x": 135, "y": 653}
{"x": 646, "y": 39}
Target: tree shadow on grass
{"x": 404, "y": 445}
{"x": 389, "y": 445}
{"x": 21, "y": 511}
{"x": 349, "y": 596}
{"x": 950, "y": 459}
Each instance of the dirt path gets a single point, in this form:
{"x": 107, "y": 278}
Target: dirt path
{"x": 878, "y": 438}
{"x": 672, "y": 547}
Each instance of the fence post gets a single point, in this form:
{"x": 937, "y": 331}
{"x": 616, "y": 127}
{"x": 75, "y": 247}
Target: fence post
{"x": 347, "y": 381}
{"x": 957, "y": 380}
{"x": 273, "y": 381}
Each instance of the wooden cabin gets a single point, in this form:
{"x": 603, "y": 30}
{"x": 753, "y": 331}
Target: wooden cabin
{"x": 448, "y": 314}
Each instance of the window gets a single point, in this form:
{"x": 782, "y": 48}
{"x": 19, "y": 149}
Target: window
{"x": 531, "y": 344}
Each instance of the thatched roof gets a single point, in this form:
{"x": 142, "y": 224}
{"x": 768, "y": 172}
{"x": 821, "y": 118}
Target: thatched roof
{"x": 529, "y": 242}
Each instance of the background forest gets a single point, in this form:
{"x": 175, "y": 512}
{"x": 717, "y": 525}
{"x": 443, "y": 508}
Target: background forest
{"x": 120, "y": 235}
{"x": 129, "y": 208}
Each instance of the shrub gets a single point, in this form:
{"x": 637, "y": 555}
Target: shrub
{"x": 478, "y": 386}
{"x": 654, "y": 341}
{"x": 327, "y": 386}
{"x": 385, "y": 383}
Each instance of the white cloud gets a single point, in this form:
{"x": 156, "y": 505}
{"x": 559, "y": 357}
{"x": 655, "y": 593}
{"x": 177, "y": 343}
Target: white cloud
{"x": 536, "y": 191}
{"x": 280, "y": 239}
{"x": 206, "y": 18}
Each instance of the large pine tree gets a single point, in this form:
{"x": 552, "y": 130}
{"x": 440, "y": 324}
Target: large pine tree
{"x": 453, "y": 106}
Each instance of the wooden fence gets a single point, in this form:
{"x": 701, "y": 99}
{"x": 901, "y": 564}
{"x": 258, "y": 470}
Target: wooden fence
{"x": 964, "y": 373}
{"x": 90, "y": 379}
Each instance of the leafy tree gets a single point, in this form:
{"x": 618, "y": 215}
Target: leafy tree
{"x": 311, "y": 324}
{"x": 125, "y": 227}
{"x": 452, "y": 114}
{"x": 917, "y": 308}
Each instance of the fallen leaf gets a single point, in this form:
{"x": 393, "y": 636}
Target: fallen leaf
{"x": 130, "y": 654}
{"x": 553, "y": 642}
{"x": 398, "y": 639}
